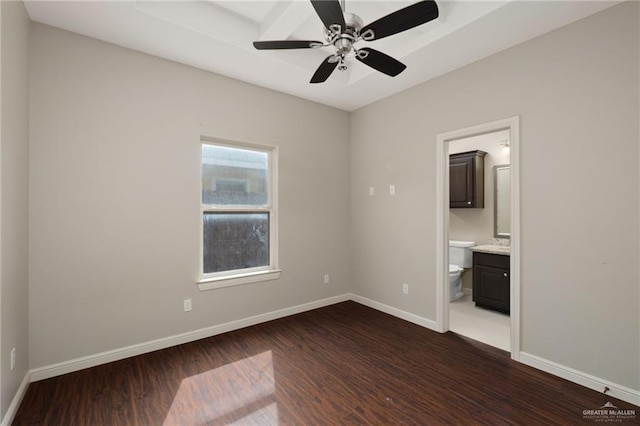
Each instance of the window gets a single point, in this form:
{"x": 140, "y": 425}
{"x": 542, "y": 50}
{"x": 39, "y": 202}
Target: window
{"x": 238, "y": 209}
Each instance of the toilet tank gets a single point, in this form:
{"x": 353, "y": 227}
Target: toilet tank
{"x": 460, "y": 253}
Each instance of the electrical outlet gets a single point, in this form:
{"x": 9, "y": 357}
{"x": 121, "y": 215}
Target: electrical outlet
{"x": 187, "y": 305}
{"x": 405, "y": 288}
{"x": 392, "y": 190}
{"x": 372, "y": 190}
{"x": 13, "y": 358}
{"x": 326, "y": 278}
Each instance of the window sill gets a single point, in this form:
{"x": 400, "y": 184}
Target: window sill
{"x": 239, "y": 279}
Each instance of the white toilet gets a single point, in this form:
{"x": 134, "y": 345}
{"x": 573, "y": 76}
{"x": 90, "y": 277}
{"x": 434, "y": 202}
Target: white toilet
{"x": 460, "y": 257}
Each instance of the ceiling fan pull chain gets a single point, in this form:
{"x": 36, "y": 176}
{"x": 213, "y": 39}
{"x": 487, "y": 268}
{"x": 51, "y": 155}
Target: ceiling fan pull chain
{"x": 342, "y": 66}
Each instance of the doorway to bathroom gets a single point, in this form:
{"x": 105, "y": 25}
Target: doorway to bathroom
{"x": 478, "y": 227}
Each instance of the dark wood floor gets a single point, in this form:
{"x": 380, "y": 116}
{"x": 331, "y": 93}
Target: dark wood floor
{"x": 343, "y": 364}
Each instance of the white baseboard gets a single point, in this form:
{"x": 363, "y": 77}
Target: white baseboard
{"x": 77, "y": 364}
{"x": 17, "y": 400}
{"x": 395, "y": 312}
{"x": 615, "y": 390}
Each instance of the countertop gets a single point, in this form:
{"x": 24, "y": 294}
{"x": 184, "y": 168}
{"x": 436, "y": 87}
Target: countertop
{"x": 493, "y": 249}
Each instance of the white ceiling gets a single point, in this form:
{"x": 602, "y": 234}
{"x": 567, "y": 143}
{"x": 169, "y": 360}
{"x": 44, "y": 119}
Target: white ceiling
{"x": 217, "y": 36}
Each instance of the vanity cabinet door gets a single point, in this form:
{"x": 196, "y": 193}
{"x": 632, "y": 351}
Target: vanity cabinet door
{"x": 466, "y": 180}
{"x": 491, "y": 288}
{"x": 491, "y": 282}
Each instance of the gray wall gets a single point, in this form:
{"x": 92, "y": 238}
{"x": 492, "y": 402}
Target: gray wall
{"x": 576, "y": 92}
{"x": 14, "y": 151}
{"x": 115, "y": 196}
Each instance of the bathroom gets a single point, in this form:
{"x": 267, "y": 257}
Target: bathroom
{"x": 479, "y": 230}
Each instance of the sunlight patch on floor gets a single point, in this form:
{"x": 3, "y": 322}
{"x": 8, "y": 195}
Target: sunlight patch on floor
{"x": 238, "y": 393}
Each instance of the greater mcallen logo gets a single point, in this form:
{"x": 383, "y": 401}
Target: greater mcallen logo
{"x": 609, "y": 413}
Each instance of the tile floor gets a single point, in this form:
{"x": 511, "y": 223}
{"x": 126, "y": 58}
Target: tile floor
{"x": 490, "y": 327}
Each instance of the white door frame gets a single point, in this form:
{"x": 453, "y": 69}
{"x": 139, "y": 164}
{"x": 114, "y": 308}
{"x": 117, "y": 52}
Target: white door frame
{"x": 442, "y": 222}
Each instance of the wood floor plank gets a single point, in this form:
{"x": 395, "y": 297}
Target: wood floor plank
{"x": 345, "y": 364}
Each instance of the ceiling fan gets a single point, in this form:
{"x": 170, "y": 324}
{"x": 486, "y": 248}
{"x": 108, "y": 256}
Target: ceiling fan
{"x": 343, "y": 29}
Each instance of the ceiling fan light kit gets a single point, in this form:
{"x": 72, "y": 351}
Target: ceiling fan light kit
{"x": 343, "y": 29}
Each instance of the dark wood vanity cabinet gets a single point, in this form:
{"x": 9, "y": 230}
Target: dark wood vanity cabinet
{"x": 466, "y": 180}
{"x": 491, "y": 281}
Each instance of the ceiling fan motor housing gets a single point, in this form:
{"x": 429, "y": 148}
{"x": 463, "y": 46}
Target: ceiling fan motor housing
{"x": 343, "y": 38}
{"x": 351, "y": 32}
{"x": 354, "y": 23}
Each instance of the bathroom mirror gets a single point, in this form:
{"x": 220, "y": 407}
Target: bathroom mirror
{"x": 502, "y": 201}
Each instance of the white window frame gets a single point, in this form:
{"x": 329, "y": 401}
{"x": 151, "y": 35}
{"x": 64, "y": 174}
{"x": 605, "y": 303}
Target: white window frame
{"x": 249, "y": 275}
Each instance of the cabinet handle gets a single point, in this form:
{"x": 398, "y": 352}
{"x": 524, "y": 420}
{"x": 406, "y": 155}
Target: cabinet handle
{"x": 505, "y": 274}
{"x": 468, "y": 202}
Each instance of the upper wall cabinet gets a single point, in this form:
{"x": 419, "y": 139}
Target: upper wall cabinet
{"x": 466, "y": 180}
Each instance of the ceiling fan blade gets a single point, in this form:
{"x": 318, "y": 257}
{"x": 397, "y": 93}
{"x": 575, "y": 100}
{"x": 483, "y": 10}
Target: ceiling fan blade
{"x": 286, "y": 44}
{"x": 330, "y": 13}
{"x": 401, "y": 20}
{"x": 380, "y": 61}
{"x": 325, "y": 69}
